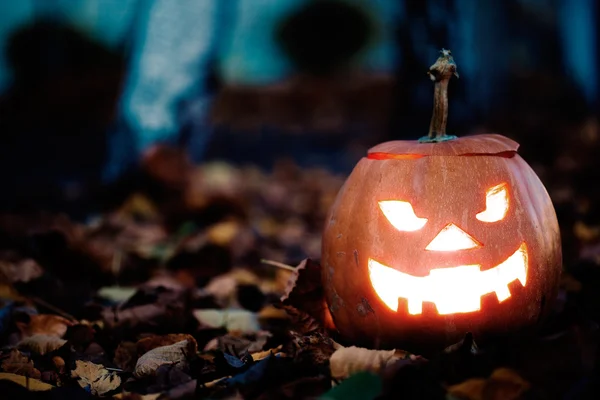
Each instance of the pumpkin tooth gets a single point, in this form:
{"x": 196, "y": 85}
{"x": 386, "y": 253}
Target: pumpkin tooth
{"x": 522, "y": 271}
{"x": 502, "y": 293}
{"x": 415, "y": 306}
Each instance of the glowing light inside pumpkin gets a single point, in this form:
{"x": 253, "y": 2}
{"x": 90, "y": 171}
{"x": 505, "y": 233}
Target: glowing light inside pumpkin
{"x": 452, "y": 290}
{"x": 496, "y": 204}
{"x": 401, "y": 215}
{"x": 452, "y": 238}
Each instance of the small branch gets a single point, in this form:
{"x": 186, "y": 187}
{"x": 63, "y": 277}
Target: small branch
{"x": 440, "y": 73}
{"x": 52, "y": 308}
{"x": 278, "y": 265}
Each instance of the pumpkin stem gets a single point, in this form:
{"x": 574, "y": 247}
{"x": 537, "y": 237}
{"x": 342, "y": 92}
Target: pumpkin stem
{"x": 440, "y": 73}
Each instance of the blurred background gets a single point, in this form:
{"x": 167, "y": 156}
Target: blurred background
{"x": 100, "y": 99}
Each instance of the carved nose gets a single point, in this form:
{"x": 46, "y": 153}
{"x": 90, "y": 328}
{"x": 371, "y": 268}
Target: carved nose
{"x": 452, "y": 238}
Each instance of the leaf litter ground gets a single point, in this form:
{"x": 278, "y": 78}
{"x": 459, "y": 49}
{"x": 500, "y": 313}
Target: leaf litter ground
{"x": 167, "y": 295}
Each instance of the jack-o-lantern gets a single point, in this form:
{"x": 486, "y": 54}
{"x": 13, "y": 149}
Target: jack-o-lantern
{"x": 430, "y": 239}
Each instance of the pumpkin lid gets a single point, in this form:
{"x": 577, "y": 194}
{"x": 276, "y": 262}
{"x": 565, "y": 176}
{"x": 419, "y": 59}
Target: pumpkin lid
{"x": 486, "y": 144}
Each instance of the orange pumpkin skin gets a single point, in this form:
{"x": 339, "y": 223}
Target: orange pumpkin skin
{"x": 445, "y": 183}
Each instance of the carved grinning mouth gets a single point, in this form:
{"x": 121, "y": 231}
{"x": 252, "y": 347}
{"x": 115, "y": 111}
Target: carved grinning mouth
{"x": 452, "y": 290}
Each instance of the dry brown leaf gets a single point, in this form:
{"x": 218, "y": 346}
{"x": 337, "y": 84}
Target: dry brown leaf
{"x": 126, "y": 356}
{"x": 504, "y": 384}
{"x": 346, "y": 361}
{"x": 223, "y": 233}
{"x": 264, "y": 354}
{"x": 586, "y": 233}
{"x": 41, "y": 344}
{"x": 31, "y": 384}
{"x": 301, "y": 322}
{"x": 20, "y": 364}
{"x": 315, "y": 349}
{"x": 45, "y": 324}
{"x": 138, "y": 204}
{"x": 272, "y": 312}
{"x": 21, "y": 271}
{"x": 59, "y": 363}
{"x": 305, "y": 293}
{"x": 150, "y": 343}
{"x": 224, "y": 287}
{"x": 232, "y": 320}
{"x": 176, "y": 353}
{"x": 7, "y": 291}
{"x": 98, "y": 378}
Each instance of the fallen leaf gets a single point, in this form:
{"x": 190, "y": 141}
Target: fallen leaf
{"x": 224, "y": 232}
{"x": 301, "y": 322}
{"x": 305, "y": 293}
{"x": 117, "y": 293}
{"x": 41, "y": 344}
{"x": 147, "y": 309}
{"x": 231, "y": 319}
{"x": 314, "y": 349}
{"x": 20, "y": 364}
{"x": 31, "y": 384}
{"x": 503, "y": 384}
{"x": 126, "y": 356}
{"x": 150, "y": 343}
{"x": 99, "y": 380}
{"x": 347, "y": 361}
{"x": 264, "y": 354}
{"x": 253, "y": 374}
{"x": 272, "y": 312}
{"x": 236, "y": 344}
{"x": 168, "y": 376}
{"x": 176, "y": 353}
{"x": 224, "y": 287}
{"x": 45, "y": 324}
{"x": 59, "y": 363}
{"x": 139, "y": 205}
{"x": 21, "y": 271}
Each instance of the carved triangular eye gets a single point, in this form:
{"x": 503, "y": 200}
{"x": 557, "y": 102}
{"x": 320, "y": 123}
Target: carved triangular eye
{"x": 496, "y": 204}
{"x": 401, "y": 215}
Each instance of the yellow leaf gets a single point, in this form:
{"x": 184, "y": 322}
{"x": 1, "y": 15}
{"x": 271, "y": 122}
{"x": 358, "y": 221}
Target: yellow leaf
{"x": 33, "y": 384}
{"x": 504, "y": 383}
{"x": 98, "y": 378}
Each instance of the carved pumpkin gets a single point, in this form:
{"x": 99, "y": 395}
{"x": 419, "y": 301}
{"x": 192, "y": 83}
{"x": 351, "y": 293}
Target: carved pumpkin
{"x": 428, "y": 241}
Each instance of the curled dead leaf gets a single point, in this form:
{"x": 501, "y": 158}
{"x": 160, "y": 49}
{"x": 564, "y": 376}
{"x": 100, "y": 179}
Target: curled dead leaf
{"x": 19, "y": 364}
{"x": 346, "y": 361}
{"x": 41, "y": 344}
{"x": 96, "y": 377}
{"x": 305, "y": 293}
{"x": 176, "y": 353}
{"x": 504, "y": 383}
{"x": 45, "y": 324}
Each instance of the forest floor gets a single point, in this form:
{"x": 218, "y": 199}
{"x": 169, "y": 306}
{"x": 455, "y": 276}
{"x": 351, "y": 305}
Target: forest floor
{"x": 182, "y": 291}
